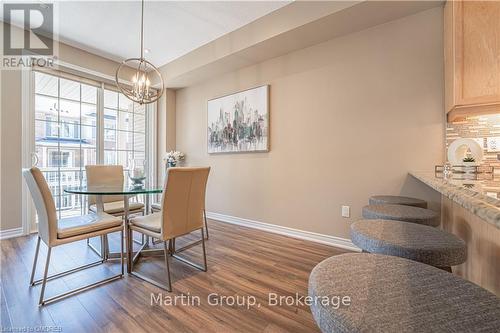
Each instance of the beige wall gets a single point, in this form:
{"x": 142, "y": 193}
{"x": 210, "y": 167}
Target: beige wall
{"x": 165, "y": 131}
{"x": 11, "y": 150}
{"x": 349, "y": 118}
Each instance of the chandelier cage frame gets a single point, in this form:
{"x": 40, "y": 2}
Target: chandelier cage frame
{"x": 141, "y": 90}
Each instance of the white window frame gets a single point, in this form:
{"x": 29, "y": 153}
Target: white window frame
{"x": 28, "y": 135}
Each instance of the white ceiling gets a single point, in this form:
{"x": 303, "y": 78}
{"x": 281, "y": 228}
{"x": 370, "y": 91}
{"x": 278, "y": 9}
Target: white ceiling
{"x": 172, "y": 28}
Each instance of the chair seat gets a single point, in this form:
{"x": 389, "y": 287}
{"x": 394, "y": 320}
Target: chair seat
{"x": 116, "y": 207}
{"x": 401, "y": 213}
{"x": 79, "y": 225}
{"x": 409, "y": 240}
{"x": 391, "y": 294}
{"x": 156, "y": 207}
{"x": 397, "y": 200}
{"x": 150, "y": 222}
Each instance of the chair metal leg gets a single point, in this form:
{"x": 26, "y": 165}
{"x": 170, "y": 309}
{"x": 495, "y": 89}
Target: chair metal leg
{"x": 44, "y": 283}
{"x": 130, "y": 249}
{"x": 58, "y": 275}
{"x": 205, "y": 218}
{"x": 204, "y": 250}
{"x": 105, "y": 247}
{"x": 121, "y": 253}
{"x": 46, "y": 278}
{"x": 35, "y": 260}
{"x": 167, "y": 265}
{"x": 167, "y": 287}
{"x": 138, "y": 242}
{"x": 169, "y": 250}
{"x": 204, "y": 268}
{"x": 96, "y": 251}
{"x": 172, "y": 246}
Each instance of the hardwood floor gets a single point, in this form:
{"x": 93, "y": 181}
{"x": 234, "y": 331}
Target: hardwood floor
{"x": 243, "y": 263}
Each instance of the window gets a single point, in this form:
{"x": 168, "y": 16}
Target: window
{"x": 65, "y": 117}
{"x": 124, "y": 131}
{"x": 67, "y": 114}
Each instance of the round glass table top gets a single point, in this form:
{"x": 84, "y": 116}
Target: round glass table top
{"x": 113, "y": 190}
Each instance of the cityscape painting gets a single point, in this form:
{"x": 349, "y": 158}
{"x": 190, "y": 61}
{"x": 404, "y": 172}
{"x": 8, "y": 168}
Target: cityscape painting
{"x": 239, "y": 122}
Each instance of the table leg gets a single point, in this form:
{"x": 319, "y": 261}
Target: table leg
{"x": 130, "y": 251}
{"x": 148, "y": 211}
{"x": 104, "y": 244}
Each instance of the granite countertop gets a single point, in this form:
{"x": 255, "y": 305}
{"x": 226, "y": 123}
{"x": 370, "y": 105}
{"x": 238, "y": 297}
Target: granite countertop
{"x": 479, "y": 196}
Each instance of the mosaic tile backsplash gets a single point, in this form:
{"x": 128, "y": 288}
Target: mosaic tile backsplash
{"x": 484, "y": 129}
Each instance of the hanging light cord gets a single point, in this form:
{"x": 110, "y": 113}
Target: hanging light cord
{"x": 142, "y": 31}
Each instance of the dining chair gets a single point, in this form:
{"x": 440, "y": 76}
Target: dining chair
{"x": 182, "y": 204}
{"x": 109, "y": 175}
{"x": 156, "y": 207}
{"x": 54, "y": 232}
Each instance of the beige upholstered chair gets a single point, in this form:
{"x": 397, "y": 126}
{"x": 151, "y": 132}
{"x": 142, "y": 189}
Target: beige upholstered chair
{"x": 111, "y": 175}
{"x": 182, "y": 204}
{"x": 54, "y": 233}
{"x": 156, "y": 207}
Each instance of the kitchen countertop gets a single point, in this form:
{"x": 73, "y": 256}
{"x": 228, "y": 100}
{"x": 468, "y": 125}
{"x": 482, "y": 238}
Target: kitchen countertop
{"x": 479, "y": 196}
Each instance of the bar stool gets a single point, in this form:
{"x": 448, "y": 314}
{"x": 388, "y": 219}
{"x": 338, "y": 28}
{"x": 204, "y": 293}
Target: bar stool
{"x": 413, "y": 241}
{"x": 397, "y": 200}
{"x": 401, "y": 213}
{"x": 361, "y": 292}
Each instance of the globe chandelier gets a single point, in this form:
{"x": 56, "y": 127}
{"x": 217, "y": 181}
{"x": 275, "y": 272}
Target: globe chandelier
{"x": 142, "y": 75}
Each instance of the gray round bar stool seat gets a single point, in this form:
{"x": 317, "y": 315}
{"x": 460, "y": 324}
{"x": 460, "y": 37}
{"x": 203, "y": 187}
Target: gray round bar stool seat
{"x": 401, "y": 213}
{"x": 391, "y": 294}
{"x": 397, "y": 200}
{"x": 413, "y": 241}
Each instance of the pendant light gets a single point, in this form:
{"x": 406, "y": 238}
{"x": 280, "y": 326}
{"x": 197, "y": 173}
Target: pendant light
{"x": 142, "y": 74}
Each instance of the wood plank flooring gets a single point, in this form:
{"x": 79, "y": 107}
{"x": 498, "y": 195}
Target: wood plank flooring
{"x": 242, "y": 263}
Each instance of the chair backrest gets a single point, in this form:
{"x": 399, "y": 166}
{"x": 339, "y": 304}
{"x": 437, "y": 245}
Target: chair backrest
{"x": 110, "y": 175}
{"x": 44, "y": 204}
{"x": 183, "y": 201}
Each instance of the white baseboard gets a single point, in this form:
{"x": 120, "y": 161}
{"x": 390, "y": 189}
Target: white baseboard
{"x": 11, "y": 233}
{"x": 295, "y": 233}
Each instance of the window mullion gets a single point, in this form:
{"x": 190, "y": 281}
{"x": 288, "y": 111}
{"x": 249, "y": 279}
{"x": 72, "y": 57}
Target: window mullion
{"x": 100, "y": 125}
{"x": 59, "y": 154}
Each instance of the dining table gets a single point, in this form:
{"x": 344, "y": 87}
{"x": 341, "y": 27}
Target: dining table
{"x": 127, "y": 191}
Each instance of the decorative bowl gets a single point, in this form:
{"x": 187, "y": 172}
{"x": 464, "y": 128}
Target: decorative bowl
{"x": 137, "y": 181}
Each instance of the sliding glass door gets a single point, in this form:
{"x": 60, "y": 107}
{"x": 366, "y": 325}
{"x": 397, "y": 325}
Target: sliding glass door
{"x": 78, "y": 123}
{"x": 65, "y": 136}
{"x": 124, "y": 132}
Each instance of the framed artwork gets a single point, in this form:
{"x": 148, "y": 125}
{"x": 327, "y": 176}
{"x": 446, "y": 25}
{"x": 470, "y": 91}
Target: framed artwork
{"x": 239, "y": 122}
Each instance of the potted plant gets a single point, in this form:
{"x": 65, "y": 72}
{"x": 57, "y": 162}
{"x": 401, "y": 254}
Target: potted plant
{"x": 173, "y": 158}
{"x": 469, "y": 161}
{"x": 470, "y": 164}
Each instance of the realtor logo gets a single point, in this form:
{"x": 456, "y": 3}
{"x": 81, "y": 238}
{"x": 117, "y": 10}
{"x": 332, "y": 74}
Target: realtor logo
{"x": 38, "y": 23}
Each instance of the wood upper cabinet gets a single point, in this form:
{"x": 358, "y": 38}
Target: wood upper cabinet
{"x": 472, "y": 58}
